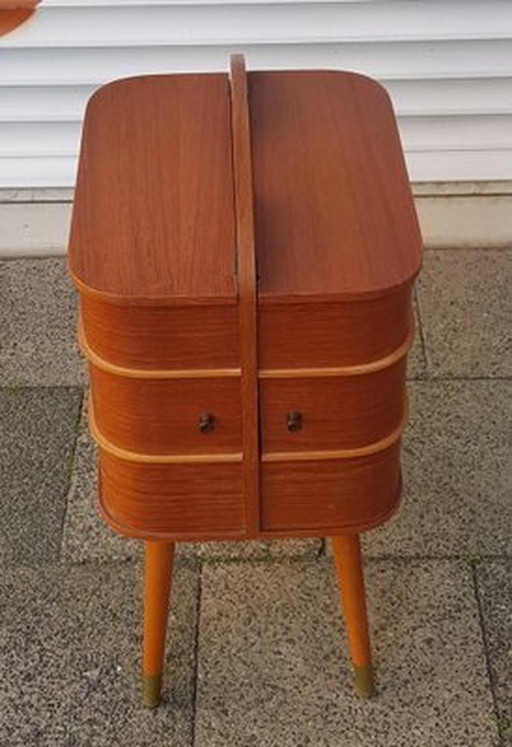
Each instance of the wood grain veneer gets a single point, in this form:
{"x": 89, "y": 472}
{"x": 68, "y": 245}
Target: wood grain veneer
{"x": 337, "y": 412}
{"x": 354, "y": 369}
{"x": 345, "y": 495}
{"x": 324, "y": 334}
{"x": 254, "y": 256}
{"x": 153, "y": 416}
{"x": 159, "y": 337}
{"x": 334, "y": 211}
{"x": 152, "y": 373}
{"x": 154, "y": 224}
{"x": 185, "y": 500}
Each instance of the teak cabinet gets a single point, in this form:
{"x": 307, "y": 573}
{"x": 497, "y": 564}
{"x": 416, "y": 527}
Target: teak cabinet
{"x": 245, "y": 247}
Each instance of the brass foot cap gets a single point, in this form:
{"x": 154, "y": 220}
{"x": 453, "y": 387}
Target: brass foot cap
{"x": 365, "y": 685}
{"x": 152, "y": 689}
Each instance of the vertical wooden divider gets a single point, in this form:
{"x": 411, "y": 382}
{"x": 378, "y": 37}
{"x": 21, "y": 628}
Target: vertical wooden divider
{"x": 247, "y": 290}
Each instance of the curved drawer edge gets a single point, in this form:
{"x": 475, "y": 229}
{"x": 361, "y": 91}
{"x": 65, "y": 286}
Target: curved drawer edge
{"x": 132, "y": 456}
{"x": 357, "y": 370}
{"x": 335, "y": 454}
{"x": 348, "y": 528}
{"x": 215, "y": 536}
{"x": 142, "y": 373}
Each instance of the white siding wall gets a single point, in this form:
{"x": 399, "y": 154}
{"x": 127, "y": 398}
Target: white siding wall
{"x": 446, "y": 63}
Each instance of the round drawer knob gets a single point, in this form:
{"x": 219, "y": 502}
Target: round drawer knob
{"x": 294, "y": 421}
{"x": 206, "y": 423}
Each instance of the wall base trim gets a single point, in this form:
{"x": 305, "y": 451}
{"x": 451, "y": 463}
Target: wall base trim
{"x": 35, "y": 222}
{"x": 465, "y": 222}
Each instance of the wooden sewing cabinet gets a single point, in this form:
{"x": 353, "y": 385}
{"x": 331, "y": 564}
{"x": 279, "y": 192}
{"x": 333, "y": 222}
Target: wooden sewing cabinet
{"x": 244, "y": 247}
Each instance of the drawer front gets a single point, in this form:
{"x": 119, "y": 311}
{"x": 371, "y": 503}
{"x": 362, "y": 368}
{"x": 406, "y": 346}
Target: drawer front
{"x": 161, "y": 337}
{"x": 332, "y": 333}
{"x": 167, "y": 416}
{"x": 185, "y": 501}
{"x": 330, "y": 496}
{"x": 331, "y": 412}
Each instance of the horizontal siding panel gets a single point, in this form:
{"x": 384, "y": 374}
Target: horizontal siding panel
{"x": 67, "y": 66}
{"x": 425, "y": 98}
{"x": 44, "y": 103}
{"x": 249, "y": 23}
{"x": 39, "y": 139}
{"x": 418, "y": 134}
{"x": 456, "y": 133}
{"x": 37, "y": 171}
{"x": 433, "y": 166}
{"x": 451, "y": 97}
{"x": 446, "y": 64}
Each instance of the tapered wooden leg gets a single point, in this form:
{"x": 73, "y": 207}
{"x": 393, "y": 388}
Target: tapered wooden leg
{"x": 157, "y": 590}
{"x": 347, "y": 557}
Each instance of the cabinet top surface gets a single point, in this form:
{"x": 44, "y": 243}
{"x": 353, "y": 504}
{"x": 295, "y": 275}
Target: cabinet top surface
{"x": 334, "y": 211}
{"x": 154, "y": 215}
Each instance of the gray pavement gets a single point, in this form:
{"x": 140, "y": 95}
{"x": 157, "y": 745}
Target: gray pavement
{"x": 257, "y": 653}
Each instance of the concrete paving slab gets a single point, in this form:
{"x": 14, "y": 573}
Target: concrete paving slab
{"x": 225, "y": 552}
{"x": 475, "y": 219}
{"x": 219, "y": 552}
{"x": 457, "y": 474}
{"x": 273, "y": 664}
{"x": 494, "y": 580}
{"x": 38, "y": 324}
{"x": 38, "y": 429}
{"x": 466, "y": 312}
{"x": 70, "y": 658}
{"x": 296, "y": 548}
{"x": 86, "y": 536}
